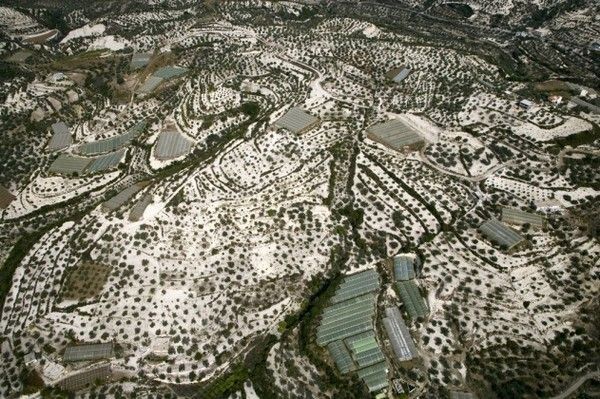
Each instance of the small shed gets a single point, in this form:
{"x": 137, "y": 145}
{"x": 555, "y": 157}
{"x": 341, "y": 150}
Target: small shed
{"x": 526, "y": 104}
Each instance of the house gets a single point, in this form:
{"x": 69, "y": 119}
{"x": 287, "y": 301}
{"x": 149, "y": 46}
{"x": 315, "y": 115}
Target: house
{"x": 555, "y": 99}
{"x": 526, "y": 104}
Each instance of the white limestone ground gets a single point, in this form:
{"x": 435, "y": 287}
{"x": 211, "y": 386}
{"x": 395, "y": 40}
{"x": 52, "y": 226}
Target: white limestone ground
{"x": 16, "y": 23}
{"x": 52, "y": 190}
{"x": 229, "y": 243}
{"x": 84, "y": 31}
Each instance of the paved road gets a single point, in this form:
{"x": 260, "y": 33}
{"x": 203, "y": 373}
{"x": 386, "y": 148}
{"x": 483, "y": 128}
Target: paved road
{"x": 575, "y": 385}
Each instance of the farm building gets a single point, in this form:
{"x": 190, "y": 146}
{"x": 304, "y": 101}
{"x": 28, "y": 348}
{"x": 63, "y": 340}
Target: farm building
{"x": 297, "y": 121}
{"x": 69, "y": 165}
{"x": 160, "y": 346}
{"x": 113, "y": 143}
{"x": 61, "y": 137}
{"x": 364, "y": 349}
{"x": 400, "y": 338}
{"x": 171, "y": 145}
{"x": 412, "y": 299}
{"x": 341, "y": 356}
{"x": 86, "y": 352}
{"x": 519, "y": 217}
{"x": 396, "y": 134}
{"x": 398, "y": 74}
{"x": 462, "y": 395}
{"x": 139, "y": 60}
{"x": 118, "y": 200}
{"x": 105, "y": 162}
{"x": 526, "y": 104}
{"x": 404, "y": 267}
{"x": 374, "y": 376}
{"x": 6, "y": 197}
{"x": 583, "y": 91}
{"x": 501, "y": 234}
{"x": 344, "y": 319}
{"x": 397, "y": 385}
{"x": 58, "y": 77}
{"x": 80, "y": 380}
{"x": 555, "y": 99}
{"x": 356, "y": 285}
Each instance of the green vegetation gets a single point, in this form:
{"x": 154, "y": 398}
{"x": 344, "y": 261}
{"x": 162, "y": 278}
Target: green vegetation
{"x": 225, "y": 386}
{"x": 86, "y": 280}
{"x": 32, "y": 382}
{"x": 16, "y": 255}
{"x": 581, "y": 138}
{"x": 544, "y": 14}
{"x": 251, "y": 109}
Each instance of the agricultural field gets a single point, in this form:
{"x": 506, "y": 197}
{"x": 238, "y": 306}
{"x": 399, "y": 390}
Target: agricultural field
{"x": 236, "y": 200}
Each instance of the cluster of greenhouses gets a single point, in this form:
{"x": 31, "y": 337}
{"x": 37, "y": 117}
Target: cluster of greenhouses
{"x": 347, "y": 330}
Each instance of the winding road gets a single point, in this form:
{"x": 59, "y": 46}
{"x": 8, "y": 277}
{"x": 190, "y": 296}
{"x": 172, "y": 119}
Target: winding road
{"x": 576, "y": 384}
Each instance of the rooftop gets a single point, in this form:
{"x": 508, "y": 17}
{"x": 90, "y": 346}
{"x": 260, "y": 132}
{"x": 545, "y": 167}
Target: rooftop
{"x": 296, "y": 120}
{"x": 404, "y": 267}
{"x": 113, "y": 143}
{"x": 61, "y": 137}
{"x": 398, "y": 74}
{"x": 77, "y": 353}
{"x": 68, "y": 164}
{"x": 519, "y": 217}
{"x": 139, "y": 60}
{"x": 400, "y": 338}
{"x": 395, "y": 134}
{"x": 150, "y": 84}
{"x": 171, "y": 145}
{"x": 118, "y": 200}
{"x": 500, "y": 233}
{"x": 169, "y": 72}
{"x": 412, "y": 299}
